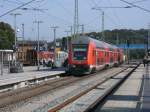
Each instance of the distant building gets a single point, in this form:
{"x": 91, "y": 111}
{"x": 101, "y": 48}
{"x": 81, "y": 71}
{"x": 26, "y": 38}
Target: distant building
{"x": 59, "y": 46}
{"x": 27, "y": 51}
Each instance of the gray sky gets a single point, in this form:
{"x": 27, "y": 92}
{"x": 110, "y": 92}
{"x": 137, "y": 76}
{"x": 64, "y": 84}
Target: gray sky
{"x": 61, "y": 13}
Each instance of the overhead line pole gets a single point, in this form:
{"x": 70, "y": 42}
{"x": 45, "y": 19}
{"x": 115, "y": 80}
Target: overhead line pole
{"x": 67, "y": 32}
{"x": 103, "y": 19}
{"x": 38, "y": 46}
{"x": 82, "y": 28}
{"x": 76, "y": 20}
{"x": 71, "y": 30}
{"x": 54, "y": 30}
{"x": 148, "y": 39}
{"x": 103, "y": 34}
{"x": 117, "y": 41}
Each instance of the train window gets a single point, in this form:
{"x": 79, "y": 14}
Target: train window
{"x": 80, "y": 52}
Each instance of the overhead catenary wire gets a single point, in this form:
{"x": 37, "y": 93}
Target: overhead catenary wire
{"x": 64, "y": 8}
{"x": 144, "y": 9}
{"x": 17, "y": 8}
{"x": 48, "y": 14}
{"x": 108, "y": 17}
{"x": 115, "y": 14}
{"x": 139, "y": 1}
{"x": 12, "y": 2}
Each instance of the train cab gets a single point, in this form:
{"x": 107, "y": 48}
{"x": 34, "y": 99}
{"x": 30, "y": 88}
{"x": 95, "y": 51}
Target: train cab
{"x": 88, "y": 55}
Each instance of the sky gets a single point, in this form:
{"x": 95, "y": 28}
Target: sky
{"x": 61, "y": 13}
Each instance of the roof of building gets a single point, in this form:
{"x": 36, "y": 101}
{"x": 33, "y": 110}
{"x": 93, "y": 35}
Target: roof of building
{"x": 31, "y": 42}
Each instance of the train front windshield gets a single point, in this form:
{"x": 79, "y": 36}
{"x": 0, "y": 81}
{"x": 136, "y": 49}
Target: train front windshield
{"x": 80, "y": 52}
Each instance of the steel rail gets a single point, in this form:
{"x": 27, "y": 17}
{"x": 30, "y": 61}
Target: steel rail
{"x": 72, "y": 99}
{"x": 12, "y": 97}
{"x": 109, "y": 92}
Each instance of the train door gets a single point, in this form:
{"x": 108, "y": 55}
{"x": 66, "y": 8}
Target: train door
{"x": 96, "y": 57}
{"x": 101, "y": 57}
{"x": 111, "y": 56}
{"x": 107, "y": 57}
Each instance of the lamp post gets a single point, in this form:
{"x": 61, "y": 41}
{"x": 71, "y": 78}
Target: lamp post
{"x": 22, "y": 36}
{"x": 15, "y": 28}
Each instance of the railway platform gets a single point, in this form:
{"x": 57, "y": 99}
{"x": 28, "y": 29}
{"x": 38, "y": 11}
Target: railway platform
{"x": 30, "y": 73}
{"x": 132, "y": 96}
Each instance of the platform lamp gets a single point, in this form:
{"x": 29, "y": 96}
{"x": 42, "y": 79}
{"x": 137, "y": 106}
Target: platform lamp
{"x": 15, "y": 28}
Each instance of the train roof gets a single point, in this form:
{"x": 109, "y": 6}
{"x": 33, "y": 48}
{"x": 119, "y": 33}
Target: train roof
{"x": 87, "y": 39}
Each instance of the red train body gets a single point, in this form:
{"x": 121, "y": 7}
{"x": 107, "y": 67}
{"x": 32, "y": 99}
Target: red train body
{"x": 88, "y": 55}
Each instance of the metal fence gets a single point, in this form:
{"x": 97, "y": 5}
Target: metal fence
{"x": 6, "y": 57}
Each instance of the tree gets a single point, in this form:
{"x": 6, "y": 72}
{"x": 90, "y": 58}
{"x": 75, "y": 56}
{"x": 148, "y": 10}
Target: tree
{"x": 7, "y": 36}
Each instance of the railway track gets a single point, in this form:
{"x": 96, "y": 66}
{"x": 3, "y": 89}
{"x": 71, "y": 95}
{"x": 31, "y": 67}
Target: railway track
{"x": 15, "y": 96}
{"x": 68, "y": 106}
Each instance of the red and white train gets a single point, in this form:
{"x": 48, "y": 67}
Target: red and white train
{"x": 88, "y": 55}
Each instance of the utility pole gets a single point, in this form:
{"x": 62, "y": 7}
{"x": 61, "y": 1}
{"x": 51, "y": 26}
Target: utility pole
{"x": 22, "y": 36}
{"x": 148, "y": 39}
{"x": 103, "y": 34}
{"x": 100, "y": 8}
{"x": 15, "y": 28}
{"x": 128, "y": 50}
{"x": 71, "y": 30}
{"x": 38, "y": 46}
{"x": 54, "y": 30}
{"x": 117, "y": 41}
{"x": 82, "y": 27}
{"x": 76, "y": 22}
{"x": 67, "y": 40}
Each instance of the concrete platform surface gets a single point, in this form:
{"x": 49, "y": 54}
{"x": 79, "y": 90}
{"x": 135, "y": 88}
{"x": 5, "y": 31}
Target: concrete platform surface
{"x": 86, "y": 101}
{"x": 132, "y": 96}
{"x": 29, "y": 73}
